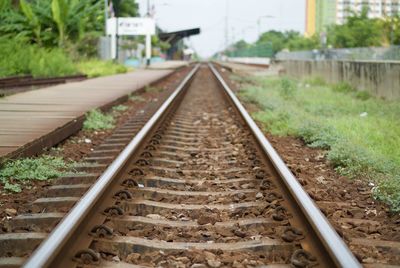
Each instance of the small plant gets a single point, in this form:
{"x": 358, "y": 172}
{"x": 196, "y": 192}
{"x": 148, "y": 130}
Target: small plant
{"x": 96, "y": 120}
{"x": 362, "y": 95}
{"x": 343, "y": 87}
{"x": 96, "y": 68}
{"x": 133, "y": 97}
{"x": 15, "y": 172}
{"x": 287, "y": 88}
{"x": 388, "y": 191}
{"x": 317, "y": 135}
{"x": 276, "y": 122}
{"x": 15, "y": 188}
{"x": 120, "y": 108}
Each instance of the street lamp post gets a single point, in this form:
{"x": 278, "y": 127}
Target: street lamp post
{"x": 259, "y": 23}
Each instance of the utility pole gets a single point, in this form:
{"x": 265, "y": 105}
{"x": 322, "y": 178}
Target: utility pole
{"x": 148, "y": 39}
{"x": 227, "y": 24}
{"x": 105, "y": 15}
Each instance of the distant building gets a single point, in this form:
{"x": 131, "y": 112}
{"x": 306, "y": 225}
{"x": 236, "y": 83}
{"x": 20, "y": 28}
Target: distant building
{"x": 319, "y": 15}
{"x": 322, "y": 13}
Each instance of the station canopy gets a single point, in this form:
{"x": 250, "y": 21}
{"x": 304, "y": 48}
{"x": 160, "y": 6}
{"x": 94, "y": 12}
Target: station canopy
{"x": 174, "y": 37}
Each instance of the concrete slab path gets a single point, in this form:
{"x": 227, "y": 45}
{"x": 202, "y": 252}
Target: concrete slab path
{"x": 28, "y": 117}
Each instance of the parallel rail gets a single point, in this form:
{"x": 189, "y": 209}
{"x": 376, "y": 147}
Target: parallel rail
{"x": 330, "y": 248}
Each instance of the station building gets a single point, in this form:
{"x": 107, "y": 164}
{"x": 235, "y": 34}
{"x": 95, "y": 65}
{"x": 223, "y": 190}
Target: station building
{"x": 322, "y": 13}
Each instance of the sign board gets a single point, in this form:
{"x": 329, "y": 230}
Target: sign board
{"x": 131, "y": 26}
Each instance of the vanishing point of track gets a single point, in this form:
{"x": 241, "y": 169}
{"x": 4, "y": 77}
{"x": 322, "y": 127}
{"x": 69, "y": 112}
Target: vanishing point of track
{"x": 198, "y": 185}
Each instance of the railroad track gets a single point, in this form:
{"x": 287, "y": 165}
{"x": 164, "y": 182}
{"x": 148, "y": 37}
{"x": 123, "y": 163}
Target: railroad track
{"x": 198, "y": 186}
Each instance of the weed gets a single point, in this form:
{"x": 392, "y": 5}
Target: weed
{"x": 15, "y": 188}
{"x": 362, "y": 95}
{"x": 343, "y": 87}
{"x": 96, "y": 120}
{"x": 288, "y": 88}
{"x": 96, "y": 68}
{"x": 388, "y": 191}
{"x": 278, "y": 123}
{"x": 317, "y": 135}
{"x": 133, "y": 97}
{"x": 15, "y": 172}
{"x": 120, "y": 108}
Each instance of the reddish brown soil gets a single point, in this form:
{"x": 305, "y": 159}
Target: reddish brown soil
{"x": 352, "y": 196}
{"x": 75, "y": 148}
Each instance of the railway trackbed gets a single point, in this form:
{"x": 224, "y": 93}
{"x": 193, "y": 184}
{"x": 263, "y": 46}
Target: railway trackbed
{"x": 198, "y": 186}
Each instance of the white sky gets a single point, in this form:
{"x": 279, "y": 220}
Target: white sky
{"x": 209, "y": 16}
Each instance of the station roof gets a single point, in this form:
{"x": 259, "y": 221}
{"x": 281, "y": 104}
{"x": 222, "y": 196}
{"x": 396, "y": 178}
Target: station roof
{"x": 174, "y": 37}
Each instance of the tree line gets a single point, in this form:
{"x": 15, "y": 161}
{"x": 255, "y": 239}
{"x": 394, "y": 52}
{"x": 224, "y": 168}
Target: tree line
{"x": 357, "y": 31}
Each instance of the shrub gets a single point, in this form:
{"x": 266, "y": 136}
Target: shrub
{"x": 96, "y": 120}
{"x": 96, "y": 68}
{"x": 317, "y": 135}
{"x": 20, "y": 58}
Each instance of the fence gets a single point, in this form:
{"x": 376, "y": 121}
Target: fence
{"x": 261, "y": 51}
{"x": 369, "y": 53}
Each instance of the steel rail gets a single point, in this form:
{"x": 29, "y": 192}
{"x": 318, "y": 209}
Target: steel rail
{"x": 334, "y": 245}
{"x": 52, "y": 246}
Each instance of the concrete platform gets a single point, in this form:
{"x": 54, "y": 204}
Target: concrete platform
{"x": 41, "y": 118}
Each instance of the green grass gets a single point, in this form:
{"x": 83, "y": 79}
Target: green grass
{"x": 120, "y": 108}
{"x": 361, "y": 133}
{"x": 96, "y": 120}
{"x": 134, "y": 97}
{"x": 96, "y": 68}
{"x": 20, "y": 58}
{"x": 14, "y": 174}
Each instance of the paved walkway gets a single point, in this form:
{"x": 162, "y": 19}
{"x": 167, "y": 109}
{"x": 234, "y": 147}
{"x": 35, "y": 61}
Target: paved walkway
{"x": 26, "y": 118}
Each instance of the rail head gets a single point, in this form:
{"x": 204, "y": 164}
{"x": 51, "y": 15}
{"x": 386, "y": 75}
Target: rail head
{"x": 334, "y": 245}
{"x": 53, "y": 244}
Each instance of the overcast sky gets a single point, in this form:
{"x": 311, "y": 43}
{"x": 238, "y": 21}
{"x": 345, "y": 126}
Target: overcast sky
{"x": 209, "y": 15}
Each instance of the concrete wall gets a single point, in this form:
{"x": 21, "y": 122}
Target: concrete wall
{"x": 381, "y": 79}
{"x": 251, "y": 60}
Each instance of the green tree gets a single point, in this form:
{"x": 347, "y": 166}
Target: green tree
{"x": 291, "y": 40}
{"x": 358, "y": 31}
{"x": 275, "y": 38}
{"x": 391, "y": 30}
{"x": 51, "y": 23}
{"x": 125, "y": 8}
